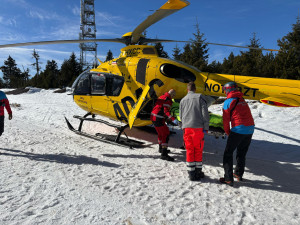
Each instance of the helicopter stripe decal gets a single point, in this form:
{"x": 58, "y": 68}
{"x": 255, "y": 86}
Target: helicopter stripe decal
{"x": 141, "y": 71}
{"x": 159, "y": 83}
{"x": 124, "y": 103}
{"x": 138, "y": 92}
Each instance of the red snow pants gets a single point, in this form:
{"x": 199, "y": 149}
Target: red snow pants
{"x": 163, "y": 134}
{"x": 194, "y": 142}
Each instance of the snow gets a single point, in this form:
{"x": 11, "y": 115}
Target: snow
{"x": 50, "y": 175}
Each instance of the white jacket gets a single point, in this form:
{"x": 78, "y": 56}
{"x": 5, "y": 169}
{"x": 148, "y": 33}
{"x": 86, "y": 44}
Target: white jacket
{"x": 193, "y": 111}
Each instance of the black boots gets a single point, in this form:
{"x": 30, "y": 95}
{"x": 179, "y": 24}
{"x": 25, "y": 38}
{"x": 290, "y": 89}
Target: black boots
{"x": 160, "y": 149}
{"x": 192, "y": 175}
{"x": 164, "y": 155}
{"x": 196, "y": 175}
{"x": 199, "y": 173}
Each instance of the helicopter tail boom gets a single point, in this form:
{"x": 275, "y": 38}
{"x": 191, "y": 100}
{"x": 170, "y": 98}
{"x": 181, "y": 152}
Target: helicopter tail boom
{"x": 271, "y": 91}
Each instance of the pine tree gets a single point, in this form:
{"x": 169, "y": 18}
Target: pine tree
{"x": 248, "y": 63}
{"x": 35, "y": 81}
{"x": 51, "y": 75}
{"x": 252, "y": 59}
{"x": 1, "y": 83}
{"x": 109, "y": 56}
{"x": 196, "y": 52}
{"x": 176, "y": 53}
{"x": 70, "y": 69}
{"x": 288, "y": 59}
{"x": 186, "y": 55}
{"x": 25, "y": 76}
{"x": 199, "y": 50}
{"x": 228, "y": 64}
{"x": 11, "y": 74}
{"x": 214, "y": 67}
{"x": 268, "y": 65}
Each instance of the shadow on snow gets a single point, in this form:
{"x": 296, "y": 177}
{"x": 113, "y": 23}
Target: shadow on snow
{"x": 277, "y": 163}
{"x": 59, "y": 158}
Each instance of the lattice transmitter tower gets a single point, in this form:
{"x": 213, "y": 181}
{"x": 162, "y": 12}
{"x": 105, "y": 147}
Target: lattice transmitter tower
{"x": 88, "y": 51}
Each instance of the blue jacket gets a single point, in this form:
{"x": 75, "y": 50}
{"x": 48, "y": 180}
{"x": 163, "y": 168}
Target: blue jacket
{"x": 237, "y": 112}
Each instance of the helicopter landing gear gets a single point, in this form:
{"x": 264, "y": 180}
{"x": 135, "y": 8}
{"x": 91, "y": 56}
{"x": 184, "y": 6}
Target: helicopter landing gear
{"x": 111, "y": 139}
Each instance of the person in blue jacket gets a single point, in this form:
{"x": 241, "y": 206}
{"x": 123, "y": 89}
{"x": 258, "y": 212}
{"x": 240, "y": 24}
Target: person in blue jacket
{"x": 237, "y": 113}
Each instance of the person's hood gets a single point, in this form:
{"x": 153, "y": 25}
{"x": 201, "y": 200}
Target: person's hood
{"x": 235, "y": 94}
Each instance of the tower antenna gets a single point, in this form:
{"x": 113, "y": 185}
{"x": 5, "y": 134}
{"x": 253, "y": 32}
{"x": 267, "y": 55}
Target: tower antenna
{"x": 88, "y": 51}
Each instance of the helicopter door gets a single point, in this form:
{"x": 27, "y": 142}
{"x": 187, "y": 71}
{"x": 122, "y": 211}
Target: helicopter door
{"x": 136, "y": 108}
{"x": 98, "y": 92}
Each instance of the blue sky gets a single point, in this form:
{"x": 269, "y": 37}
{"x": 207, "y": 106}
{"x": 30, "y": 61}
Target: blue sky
{"x": 230, "y": 22}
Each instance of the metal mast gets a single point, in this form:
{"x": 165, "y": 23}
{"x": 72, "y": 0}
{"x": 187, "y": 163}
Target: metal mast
{"x": 88, "y": 51}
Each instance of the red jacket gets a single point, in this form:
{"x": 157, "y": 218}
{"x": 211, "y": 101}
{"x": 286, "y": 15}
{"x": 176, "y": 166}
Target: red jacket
{"x": 161, "y": 108}
{"x": 4, "y": 103}
{"x": 241, "y": 115}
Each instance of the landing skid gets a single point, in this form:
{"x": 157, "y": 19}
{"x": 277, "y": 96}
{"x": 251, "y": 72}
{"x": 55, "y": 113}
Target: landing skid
{"x": 111, "y": 139}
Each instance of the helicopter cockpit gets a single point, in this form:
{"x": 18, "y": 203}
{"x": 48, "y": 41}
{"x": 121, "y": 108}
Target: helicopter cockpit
{"x": 91, "y": 83}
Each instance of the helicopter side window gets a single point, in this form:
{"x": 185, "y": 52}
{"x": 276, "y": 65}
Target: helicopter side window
{"x": 117, "y": 86}
{"x": 98, "y": 84}
{"x": 82, "y": 85}
{"x": 114, "y": 85}
{"x": 178, "y": 73}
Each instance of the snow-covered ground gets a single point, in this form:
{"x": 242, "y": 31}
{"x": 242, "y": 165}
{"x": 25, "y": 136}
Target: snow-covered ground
{"x": 49, "y": 175}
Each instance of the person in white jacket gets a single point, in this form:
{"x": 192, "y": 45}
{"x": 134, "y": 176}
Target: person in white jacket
{"x": 193, "y": 112}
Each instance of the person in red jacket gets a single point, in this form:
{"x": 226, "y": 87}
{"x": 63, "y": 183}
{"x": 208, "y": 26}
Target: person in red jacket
{"x": 159, "y": 114}
{"x": 237, "y": 112}
{"x": 4, "y": 103}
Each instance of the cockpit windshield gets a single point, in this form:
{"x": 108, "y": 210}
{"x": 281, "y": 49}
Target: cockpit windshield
{"x": 81, "y": 86}
{"x": 98, "y": 84}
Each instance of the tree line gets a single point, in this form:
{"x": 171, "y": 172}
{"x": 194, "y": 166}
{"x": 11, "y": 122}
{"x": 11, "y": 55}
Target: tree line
{"x": 50, "y": 77}
{"x": 285, "y": 64}
{"x": 252, "y": 62}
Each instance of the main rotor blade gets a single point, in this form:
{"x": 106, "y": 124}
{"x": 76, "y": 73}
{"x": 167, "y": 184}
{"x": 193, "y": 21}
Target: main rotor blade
{"x": 238, "y": 46}
{"x": 121, "y": 40}
{"x": 118, "y": 40}
{"x": 152, "y": 40}
{"x": 148, "y": 40}
{"x": 167, "y": 9}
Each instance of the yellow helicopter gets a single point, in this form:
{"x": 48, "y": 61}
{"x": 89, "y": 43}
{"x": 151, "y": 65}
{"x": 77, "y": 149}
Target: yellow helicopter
{"x": 125, "y": 88}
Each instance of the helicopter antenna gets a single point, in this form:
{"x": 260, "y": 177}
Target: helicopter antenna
{"x": 88, "y": 32}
